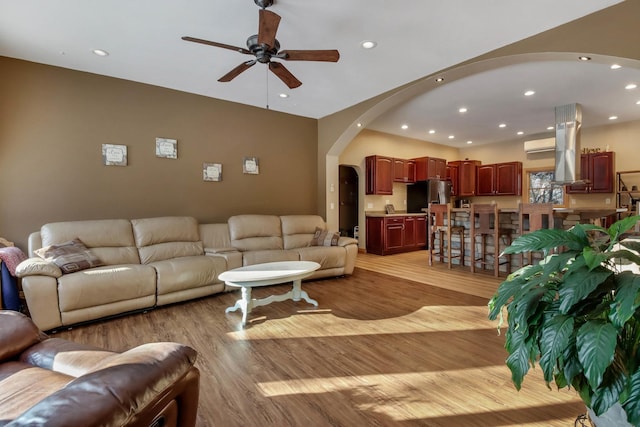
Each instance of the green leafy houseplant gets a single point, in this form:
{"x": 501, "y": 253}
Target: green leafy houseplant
{"x": 577, "y": 314}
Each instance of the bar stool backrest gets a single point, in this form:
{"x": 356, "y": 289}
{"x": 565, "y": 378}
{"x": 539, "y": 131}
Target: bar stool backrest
{"x": 536, "y": 213}
{"x": 484, "y": 218}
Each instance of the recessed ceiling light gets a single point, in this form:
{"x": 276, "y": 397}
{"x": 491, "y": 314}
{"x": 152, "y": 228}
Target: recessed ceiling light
{"x": 550, "y": 128}
{"x": 638, "y": 102}
{"x": 584, "y": 58}
{"x": 520, "y": 132}
{"x": 462, "y": 109}
{"x": 529, "y": 92}
{"x": 613, "y": 118}
{"x": 368, "y": 44}
{"x": 432, "y": 131}
{"x": 284, "y": 95}
{"x": 615, "y": 66}
{"x": 502, "y": 125}
{"x": 469, "y": 142}
{"x": 439, "y": 79}
{"x": 405, "y": 127}
{"x": 359, "y": 125}
{"x": 100, "y": 52}
{"x": 451, "y": 136}
{"x": 631, "y": 86}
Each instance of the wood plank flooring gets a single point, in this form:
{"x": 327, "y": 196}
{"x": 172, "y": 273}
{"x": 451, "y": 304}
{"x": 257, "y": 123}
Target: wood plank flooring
{"x": 397, "y": 343}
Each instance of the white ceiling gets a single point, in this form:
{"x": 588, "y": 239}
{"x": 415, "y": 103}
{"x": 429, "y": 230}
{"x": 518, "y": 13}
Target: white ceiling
{"x": 416, "y": 38}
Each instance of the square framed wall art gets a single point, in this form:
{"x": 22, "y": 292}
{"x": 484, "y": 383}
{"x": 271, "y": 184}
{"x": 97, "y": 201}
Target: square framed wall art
{"x": 212, "y": 171}
{"x": 167, "y": 148}
{"x": 251, "y": 165}
{"x": 114, "y": 155}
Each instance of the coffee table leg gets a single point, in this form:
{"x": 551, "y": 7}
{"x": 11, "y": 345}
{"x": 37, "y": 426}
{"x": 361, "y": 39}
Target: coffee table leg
{"x": 244, "y": 304}
{"x": 298, "y": 293}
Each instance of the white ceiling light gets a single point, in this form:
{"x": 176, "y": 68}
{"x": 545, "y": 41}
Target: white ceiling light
{"x": 451, "y": 136}
{"x": 404, "y": 127}
{"x": 615, "y": 66}
{"x": 550, "y": 128}
{"x": 359, "y": 125}
{"x": 638, "y": 102}
{"x": 529, "y": 92}
{"x": 631, "y": 86}
{"x": 462, "y": 110}
{"x": 469, "y": 142}
{"x": 502, "y": 125}
{"x": 520, "y": 132}
{"x": 432, "y": 131}
{"x": 613, "y": 118}
{"x": 439, "y": 79}
{"x": 584, "y": 58}
{"x": 100, "y": 52}
{"x": 368, "y": 44}
{"x": 284, "y": 95}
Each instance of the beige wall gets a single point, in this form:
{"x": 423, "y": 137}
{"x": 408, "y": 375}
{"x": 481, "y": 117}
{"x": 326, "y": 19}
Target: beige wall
{"x": 54, "y": 121}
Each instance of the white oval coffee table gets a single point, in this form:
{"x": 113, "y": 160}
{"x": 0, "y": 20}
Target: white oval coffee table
{"x": 270, "y": 273}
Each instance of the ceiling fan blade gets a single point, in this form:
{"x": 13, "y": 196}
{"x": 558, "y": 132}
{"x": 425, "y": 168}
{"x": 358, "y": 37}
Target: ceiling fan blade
{"x": 236, "y": 71}
{"x": 216, "y": 44}
{"x": 310, "y": 55}
{"x": 268, "y": 27}
{"x": 283, "y": 74}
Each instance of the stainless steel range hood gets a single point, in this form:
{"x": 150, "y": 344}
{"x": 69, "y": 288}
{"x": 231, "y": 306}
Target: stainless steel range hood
{"x": 568, "y": 122}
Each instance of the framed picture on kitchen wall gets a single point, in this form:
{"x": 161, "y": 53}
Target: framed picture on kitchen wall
{"x": 212, "y": 171}
{"x": 251, "y": 165}
{"x": 114, "y": 155}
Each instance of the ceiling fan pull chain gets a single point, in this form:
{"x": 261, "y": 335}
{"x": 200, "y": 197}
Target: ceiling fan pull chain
{"x": 266, "y": 76}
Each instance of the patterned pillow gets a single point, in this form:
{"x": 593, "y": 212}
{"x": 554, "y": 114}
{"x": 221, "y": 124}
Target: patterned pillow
{"x": 70, "y": 256}
{"x": 324, "y": 238}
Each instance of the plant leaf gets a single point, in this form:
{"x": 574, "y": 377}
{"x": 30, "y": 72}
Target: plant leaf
{"x": 631, "y": 244}
{"x": 613, "y": 384}
{"x": 582, "y": 283}
{"x": 596, "y": 343}
{"x": 593, "y": 258}
{"x": 545, "y": 239}
{"x": 623, "y": 254}
{"x": 518, "y": 363}
{"x": 553, "y": 340}
{"x": 622, "y": 226}
{"x": 632, "y": 404}
{"x": 626, "y": 300}
{"x": 506, "y": 290}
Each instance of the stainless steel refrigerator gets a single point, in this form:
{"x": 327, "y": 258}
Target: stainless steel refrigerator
{"x": 420, "y": 194}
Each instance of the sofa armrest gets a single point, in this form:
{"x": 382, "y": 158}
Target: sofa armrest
{"x": 345, "y": 241}
{"x": 66, "y": 357}
{"x": 37, "y": 267}
{"x": 127, "y": 389}
{"x": 17, "y": 333}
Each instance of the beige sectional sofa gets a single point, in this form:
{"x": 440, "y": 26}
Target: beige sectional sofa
{"x": 157, "y": 261}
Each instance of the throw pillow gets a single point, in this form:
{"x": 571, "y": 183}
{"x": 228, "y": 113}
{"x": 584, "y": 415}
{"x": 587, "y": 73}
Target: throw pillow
{"x": 324, "y": 238}
{"x": 70, "y": 256}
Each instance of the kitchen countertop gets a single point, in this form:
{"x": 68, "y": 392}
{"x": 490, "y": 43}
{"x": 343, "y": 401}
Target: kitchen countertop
{"x": 380, "y": 214}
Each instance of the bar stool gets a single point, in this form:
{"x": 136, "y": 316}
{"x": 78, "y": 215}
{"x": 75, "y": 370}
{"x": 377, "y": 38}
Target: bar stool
{"x": 532, "y": 217}
{"x": 485, "y": 222}
{"x": 440, "y": 221}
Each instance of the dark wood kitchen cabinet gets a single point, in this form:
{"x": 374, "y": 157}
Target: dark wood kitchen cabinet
{"x": 466, "y": 176}
{"x": 430, "y": 168}
{"x": 404, "y": 170}
{"x": 379, "y": 179}
{"x": 395, "y": 234}
{"x": 499, "y": 179}
{"x": 597, "y": 170}
{"x": 453, "y": 174}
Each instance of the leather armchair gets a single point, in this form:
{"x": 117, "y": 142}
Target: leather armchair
{"x": 54, "y": 382}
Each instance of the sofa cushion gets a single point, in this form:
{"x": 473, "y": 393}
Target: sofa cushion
{"x": 255, "y": 232}
{"x": 164, "y": 238}
{"x": 298, "y": 230}
{"x": 324, "y": 238}
{"x": 70, "y": 256}
{"x": 111, "y": 240}
{"x": 327, "y": 256}
{"x": 178, "y": 274}
{"x": 259, "y": 257}
{"x": 105, "y": 285}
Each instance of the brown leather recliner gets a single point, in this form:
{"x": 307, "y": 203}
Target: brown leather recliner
{"x": 54, "y": 382}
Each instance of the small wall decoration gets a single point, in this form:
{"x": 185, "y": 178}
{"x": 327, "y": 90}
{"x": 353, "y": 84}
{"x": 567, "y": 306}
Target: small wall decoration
{"x": 251, "y": 165}
{"x": 114, "y": 155}
{"x": 212, "y": 171}
{"x": 167, "y": 148}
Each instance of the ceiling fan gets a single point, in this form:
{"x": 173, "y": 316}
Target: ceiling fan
{"x": 265, "y": 47}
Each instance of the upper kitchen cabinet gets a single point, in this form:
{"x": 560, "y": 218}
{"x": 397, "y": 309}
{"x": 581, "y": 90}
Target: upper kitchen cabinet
{"x": 404, "y": 170}
{"x": 430, "y": 168}
{"x": 453, "y": 174}
{"x": 499, "y": 179}
{"x": 466, "y": 176}
{"x": 379, "y": 178}
{"x": 597, "y": 170}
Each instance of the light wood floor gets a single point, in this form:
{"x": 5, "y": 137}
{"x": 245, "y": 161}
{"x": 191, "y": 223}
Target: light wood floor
{"x": 411, "y": 349}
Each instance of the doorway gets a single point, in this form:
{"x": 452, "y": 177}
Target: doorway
{"x": 348, "y": 201}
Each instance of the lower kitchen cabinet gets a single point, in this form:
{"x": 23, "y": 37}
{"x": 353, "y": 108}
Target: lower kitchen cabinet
{"x": 396, "y": 233}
